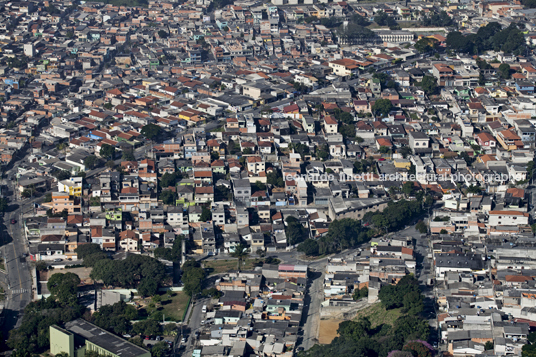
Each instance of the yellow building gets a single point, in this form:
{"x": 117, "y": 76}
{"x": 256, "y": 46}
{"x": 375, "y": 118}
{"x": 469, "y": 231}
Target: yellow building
{"x": 72, "y": 186}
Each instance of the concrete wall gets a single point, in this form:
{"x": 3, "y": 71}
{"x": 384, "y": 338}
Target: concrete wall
{"x": 61, "y": 341}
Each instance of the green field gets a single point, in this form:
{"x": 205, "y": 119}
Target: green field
{"x": 378, "y": 315}
{"x": 224, "y": 266}
{"x": 175, "y": 306}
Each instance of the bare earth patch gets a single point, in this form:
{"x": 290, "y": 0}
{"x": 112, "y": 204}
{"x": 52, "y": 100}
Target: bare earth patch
{"x": 328, "y": 330}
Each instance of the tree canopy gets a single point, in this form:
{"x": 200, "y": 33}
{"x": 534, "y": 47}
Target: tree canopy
{"x": 382, "y": 19}
{"x": 115, "y": 318}
{"x": 382, "y": 107}
{"x": 130, "y": 272}
{"x": 107, "y": 151}
{"x": 192, "y": 277}
{"x": 151, "y": 131}
{"x": 442, "y": 19}
{"x": 64, "y": 287}
{"x": 429, "y": 85}
{"x": 295, "y": 231}
{"x": 405, "y": 294}
{"x": 426, "y": 44}
{"x": 489, "y": 37}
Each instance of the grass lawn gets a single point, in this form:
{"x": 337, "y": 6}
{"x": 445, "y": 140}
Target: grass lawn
{"x": 223, "y": 266}
{"x": 175, "y": 306}
{"x": 378, "y": 315}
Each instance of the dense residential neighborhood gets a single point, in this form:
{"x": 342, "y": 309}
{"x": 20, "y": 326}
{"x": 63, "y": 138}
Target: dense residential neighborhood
{"x": 279, "y": 178}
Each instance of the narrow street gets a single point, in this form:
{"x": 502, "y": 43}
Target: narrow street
{"x": 311, "y": 310}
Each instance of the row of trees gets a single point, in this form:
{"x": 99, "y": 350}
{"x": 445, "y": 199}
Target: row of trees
{"x": 348, "y": 233}
{"x": 490, "y": 37}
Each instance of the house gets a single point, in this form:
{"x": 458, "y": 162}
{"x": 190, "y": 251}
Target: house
{"x": 330, "y": 125}
{"x": 344, "y": 67}
{"x": 486, "y": 140}
{"x": 128, "y": 241}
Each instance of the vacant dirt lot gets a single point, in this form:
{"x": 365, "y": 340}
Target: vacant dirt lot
{"x": 83, "y": 274}
{"x": 328, "y": 330}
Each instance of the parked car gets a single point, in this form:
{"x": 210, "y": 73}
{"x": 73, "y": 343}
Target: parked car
{"x": 183, "y": 340}
{"x": 13, "y": 221}
{"x": 58, "y": 260}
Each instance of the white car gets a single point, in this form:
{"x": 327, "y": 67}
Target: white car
{"x": 183, "y": 340}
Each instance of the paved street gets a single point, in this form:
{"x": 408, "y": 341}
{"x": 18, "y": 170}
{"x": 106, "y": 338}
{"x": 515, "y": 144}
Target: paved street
{"x": 195, "y": 322}
{"x": 311, "y": 309}
{"x": 14, "y": 248}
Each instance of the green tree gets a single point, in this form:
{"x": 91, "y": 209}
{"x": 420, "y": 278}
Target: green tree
{"x": 206, "y": 214}
{"x": 64, "y": 287}
{"x": 168, "y": 197}
{"x": 128, "y": 156}
{"x": 488, "y": 345}
{"x": 504, "y": 70}
{"x": 405, "y": 151}
{"x": 162, "y": 34}
{"x": 151, "y": 131}
{"x": 4, "y": 204}
{"x": 107, "y": 151}
{"x": 528, "y": 350}
{"x": 146, "y": 328}
{"x": 418, "y": 349}
{"x": 429, "y": 85}
{"x": 421, "y": 227}
{"x": 169, "y": 180}
{"x": 92, "y": 259}
{"x": 193, "y": 277}
{"x": 90, "y": 161}
{"x": 347, "y": 131}
{"x": 295, "y": 231}
{"x": 160, "y": 349}
{"x": 474, "y": 189}
{"x": 115, "y": 318}
{"x": 426, "y": 44}
{"x": 408, "y": 188}
{"x": 275, "y": 178}
{"x": 382, "y": 107}
{"x": 83, "y": 250}
{"x": 384, "y": 149}
{"x": 322, "y": 152}
{"x": 62, "y": 175}
{"x": 147, "y": 287}
{"x": 309, "y": 247}
{"x": 481, "y": 79}
{"x": 360, "y": 293}
{"x": 240, "y": 252}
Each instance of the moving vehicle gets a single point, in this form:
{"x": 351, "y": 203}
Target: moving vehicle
{"x": 204, "y": 309}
